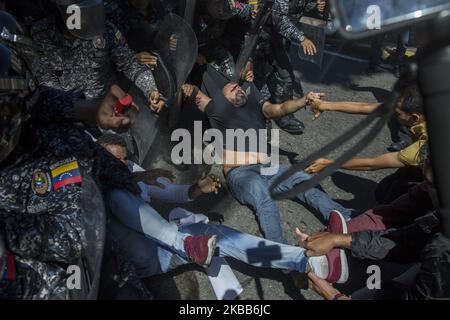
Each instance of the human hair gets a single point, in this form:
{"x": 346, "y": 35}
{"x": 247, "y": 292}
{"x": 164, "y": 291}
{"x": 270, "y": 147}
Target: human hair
{"x": 412, "y": 99}
{"x": 112, "y": 139}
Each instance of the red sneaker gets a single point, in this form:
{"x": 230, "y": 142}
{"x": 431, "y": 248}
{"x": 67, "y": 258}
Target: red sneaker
{"x": 337, "y": 223}
{"x": 337, "y": 260}
{"x": 200, "y": 249}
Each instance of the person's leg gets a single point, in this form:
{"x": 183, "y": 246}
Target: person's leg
{"x": 268, "y": 254}
{"x": 374, "y": 219}
{"x": 134, "y": 213}
{"x": 249, "y": 188}
{"x": 314, "y": 197}
{"x": 402, "y": 46}
{"x": 296, "y": 83}
{"x": 397, "y": 184}
{"x": 376, "y": 52}
{"x": 147, "y": 256}
{"x": 250, "y": 249}
{"x": 281, "y": 84}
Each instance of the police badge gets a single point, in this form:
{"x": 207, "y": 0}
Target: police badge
{"x": 99, "y": 43}
{"x": 41, "y": 183}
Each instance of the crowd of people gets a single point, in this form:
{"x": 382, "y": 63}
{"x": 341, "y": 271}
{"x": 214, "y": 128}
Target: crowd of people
{"x": 71, "y": 181}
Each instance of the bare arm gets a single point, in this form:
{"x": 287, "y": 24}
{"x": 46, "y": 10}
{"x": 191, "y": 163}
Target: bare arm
{"x": 349, "y": 107}
{"x": 276, "y": 111}
{"x": 387, "y": 160}
{"x": 318, "y": 106}
{"x": 192, "y": 94}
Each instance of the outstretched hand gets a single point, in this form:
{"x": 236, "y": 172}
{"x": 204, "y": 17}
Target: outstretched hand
{"x": 209, "y": 183}
{"x": 318, "y": 165}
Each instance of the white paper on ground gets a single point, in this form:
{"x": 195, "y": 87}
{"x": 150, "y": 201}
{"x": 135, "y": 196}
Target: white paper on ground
{"x": 225, "y": 284}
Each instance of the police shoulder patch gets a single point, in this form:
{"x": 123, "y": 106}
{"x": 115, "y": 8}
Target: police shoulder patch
{"x": 41, "y": 183}
{"x": 120, "y": 38}
{"x": 65, "y": 173}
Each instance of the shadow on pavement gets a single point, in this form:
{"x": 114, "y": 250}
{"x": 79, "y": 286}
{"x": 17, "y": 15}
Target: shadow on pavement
{"x": 266, "y": 273}
{"x": 362, "y": 189}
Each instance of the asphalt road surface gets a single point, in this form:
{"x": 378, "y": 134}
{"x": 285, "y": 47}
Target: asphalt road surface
{"x": 341, "y": 77}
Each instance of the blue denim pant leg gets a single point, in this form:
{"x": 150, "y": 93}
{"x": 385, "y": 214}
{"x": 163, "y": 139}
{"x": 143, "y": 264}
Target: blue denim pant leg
{"x": 251, "y": 249}
{"x": 314, "y": 197}
{"x": 136, "y": 214}
{"x": 150, "y": 258}
{"x": 250, "y": 188}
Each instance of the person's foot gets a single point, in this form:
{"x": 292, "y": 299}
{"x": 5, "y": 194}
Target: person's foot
{"x": 200, "y": 249}
{"x": 291, "y": 124}
{"x": 331, "y": 267}
{"x": 397, "y": 146}
{"x": 337, "y": 258}
{"x": 337, "y": 223}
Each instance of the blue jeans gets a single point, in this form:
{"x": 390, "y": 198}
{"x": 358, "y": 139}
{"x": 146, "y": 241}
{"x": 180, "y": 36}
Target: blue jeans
{"x": 137, "y": 215}
{"x": 251, "y": 188}
{"x": 151, "y": 258}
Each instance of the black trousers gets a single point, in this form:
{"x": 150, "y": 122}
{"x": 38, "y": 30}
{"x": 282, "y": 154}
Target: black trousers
{"x": 397, "y": 184}
{"x": 273, "y": 51}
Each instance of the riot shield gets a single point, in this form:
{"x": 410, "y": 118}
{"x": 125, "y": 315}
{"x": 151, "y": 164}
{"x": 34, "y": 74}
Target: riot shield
{"x": 252, "y": 38}
{"x": 179, "y": 61}
{"x": 314, "y": 30}
{"x": 144, "y": 129}
{"x": 93, "y": 221}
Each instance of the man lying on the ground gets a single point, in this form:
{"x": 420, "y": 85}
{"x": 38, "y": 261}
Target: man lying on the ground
{"x": 230, "y": 107}
{"x": 419, "y": 240}
{"x": 150, "y": 258}
{"x": 409, "y": 112}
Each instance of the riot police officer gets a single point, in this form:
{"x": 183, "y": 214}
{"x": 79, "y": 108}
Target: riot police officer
{"x": 272, "y": 49}
{"x": 48, "y": 167}
{"x": 77, "y": 48}
{"x": 211, "y": 26}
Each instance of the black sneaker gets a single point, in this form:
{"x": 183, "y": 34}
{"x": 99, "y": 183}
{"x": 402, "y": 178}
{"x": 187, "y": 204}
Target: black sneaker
{"x": 291, "y": 124}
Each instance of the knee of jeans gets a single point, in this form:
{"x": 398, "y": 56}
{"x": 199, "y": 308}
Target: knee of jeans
{"x": 254, "y": 192}
{"x": 294, "y": 180}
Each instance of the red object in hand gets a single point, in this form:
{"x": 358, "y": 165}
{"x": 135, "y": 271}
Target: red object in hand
{"x": 123, "y": 105}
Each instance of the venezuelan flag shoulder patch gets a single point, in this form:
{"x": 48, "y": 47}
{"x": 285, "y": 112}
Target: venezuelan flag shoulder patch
{"x": 65, "y": 173}
{"x": 120, "y": 38}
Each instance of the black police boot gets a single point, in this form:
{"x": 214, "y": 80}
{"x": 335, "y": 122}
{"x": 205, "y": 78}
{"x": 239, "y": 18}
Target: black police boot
{"x": 291, "y": 124}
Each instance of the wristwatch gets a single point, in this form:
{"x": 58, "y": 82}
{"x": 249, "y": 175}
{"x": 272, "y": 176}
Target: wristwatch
{"x": 302, "y": 38}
